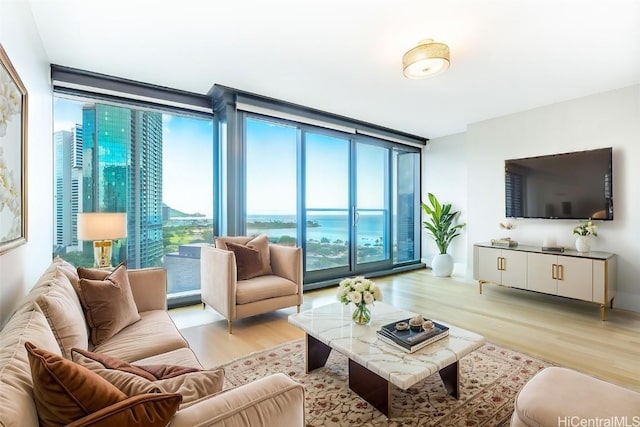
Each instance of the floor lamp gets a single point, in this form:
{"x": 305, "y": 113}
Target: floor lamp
{"x": 102, "y": 228}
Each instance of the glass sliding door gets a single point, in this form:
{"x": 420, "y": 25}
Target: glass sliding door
{"x": 406, "y": 206}
{"x": 327, "y": 229}
{"x": 371, "y": 216}
{"x": 271, "y": 180}
{"x": 350, "y": 201}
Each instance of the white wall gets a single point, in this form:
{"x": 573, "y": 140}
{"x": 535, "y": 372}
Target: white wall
{"x": 444, "y": 173}
{"x": 20, "y": 267}
{"x": 610, "y": 119}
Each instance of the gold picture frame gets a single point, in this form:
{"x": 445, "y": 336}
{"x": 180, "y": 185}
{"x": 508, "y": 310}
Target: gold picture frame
{"x": 13, "y": 156}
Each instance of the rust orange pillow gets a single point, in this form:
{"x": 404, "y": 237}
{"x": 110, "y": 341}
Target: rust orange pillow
{"x": 108, "y": 303}
{"x": 65, "y": 391}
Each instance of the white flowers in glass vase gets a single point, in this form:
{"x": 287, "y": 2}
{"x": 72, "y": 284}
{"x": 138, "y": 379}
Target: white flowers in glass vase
{"x": 361, "y": 292}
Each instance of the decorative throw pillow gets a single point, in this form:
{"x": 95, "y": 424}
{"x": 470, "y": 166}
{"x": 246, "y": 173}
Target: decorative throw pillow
{"x": 248, "y": 261}
{"x": 66, "y": 320}
{"x": 67, "y": 393}
{"x": 149, "y": 372}
{"x": 108, "y": 303}
{"x": 259, "y": 243}
{"x": 143, "y": 410}
{"x": 192, "y": 384}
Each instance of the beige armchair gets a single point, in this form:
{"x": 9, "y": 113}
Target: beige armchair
{"x": 236, "y": 299}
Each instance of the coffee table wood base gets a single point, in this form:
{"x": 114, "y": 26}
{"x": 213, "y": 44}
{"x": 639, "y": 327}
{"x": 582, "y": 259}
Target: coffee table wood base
{"x": 317, "y": 353}
{"x": 368, "y": 385}
{"x": 371, "y": 387}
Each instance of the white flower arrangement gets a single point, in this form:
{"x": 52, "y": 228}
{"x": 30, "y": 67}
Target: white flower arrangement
{"x": 9, "y": 101}
{"x": 9, "y": 198}
{"x": 586, "y": 229}
{"x": 358, "y": 290}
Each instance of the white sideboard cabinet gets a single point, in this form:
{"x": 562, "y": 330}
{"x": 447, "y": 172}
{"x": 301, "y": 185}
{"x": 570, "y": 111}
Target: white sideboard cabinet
{"x": 587, "y": 276}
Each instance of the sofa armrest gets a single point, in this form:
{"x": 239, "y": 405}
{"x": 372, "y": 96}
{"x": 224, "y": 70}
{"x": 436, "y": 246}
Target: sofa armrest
{"x": 218, "y": 280}
{"x": 149, "y": 288}
{"x": 286, "y": 261}
{"x": 275, "y": 400}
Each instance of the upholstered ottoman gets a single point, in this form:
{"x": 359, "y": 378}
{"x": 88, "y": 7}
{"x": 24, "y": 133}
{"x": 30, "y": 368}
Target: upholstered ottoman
{"x": 562, "y": 397}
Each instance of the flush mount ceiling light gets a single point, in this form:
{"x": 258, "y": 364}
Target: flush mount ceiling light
{"x": 428, "y": 59}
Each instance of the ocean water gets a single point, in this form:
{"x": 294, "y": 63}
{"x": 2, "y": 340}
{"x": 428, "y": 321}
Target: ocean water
{"x": 334, "y": 227}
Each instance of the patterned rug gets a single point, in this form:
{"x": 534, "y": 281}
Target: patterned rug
{"x": 490, "y": 377}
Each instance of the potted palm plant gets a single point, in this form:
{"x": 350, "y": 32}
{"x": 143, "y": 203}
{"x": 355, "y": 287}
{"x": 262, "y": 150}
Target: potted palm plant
{"x": 440, "y": 225}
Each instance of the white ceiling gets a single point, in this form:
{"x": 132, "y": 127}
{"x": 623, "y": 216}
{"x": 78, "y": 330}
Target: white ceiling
{"x": 344, "y": 56}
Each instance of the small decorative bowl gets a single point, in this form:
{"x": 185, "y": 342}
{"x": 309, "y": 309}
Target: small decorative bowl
{"x": 402, "y": 326}
{"x": 415, "y": 328}
{"x": 428, "y": 324}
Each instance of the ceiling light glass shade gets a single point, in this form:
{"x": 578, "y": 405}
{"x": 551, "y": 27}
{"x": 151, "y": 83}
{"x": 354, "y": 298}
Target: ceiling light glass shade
{"x": 428, "y": 59}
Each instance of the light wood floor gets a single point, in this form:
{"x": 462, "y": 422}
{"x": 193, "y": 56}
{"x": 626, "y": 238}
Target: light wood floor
{"x": 558, "y": 330}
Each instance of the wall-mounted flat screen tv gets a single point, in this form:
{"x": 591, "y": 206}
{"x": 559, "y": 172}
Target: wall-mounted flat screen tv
{"x": 577, "y": 185}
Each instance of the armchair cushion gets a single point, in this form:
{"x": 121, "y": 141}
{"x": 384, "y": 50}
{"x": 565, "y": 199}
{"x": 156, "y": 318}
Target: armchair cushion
{"x": 264, "y": 287}
{"x": 259, "y": 243}
{"x": 108, "y": 303}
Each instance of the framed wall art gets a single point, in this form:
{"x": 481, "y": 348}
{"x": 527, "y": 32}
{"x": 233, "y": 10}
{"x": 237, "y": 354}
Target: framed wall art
{"x": 13, "y": 153}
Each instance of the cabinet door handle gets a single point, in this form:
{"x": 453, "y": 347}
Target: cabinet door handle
{"x": 554, "y": 271}
{"x": 504, "y": 263}
{"x": 498, "y": 263}
{"x": 560, "y": 272}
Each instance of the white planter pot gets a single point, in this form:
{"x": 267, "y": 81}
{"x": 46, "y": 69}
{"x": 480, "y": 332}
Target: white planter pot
{"x": 442, "y": 265}
{"x": 583, "y": 243}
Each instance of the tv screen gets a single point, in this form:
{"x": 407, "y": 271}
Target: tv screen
{"x": 576, "y": 185}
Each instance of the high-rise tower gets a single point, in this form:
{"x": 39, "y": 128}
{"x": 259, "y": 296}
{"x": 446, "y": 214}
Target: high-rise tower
{"x": 123, "y": 173}
{"x": 68, "y": 164}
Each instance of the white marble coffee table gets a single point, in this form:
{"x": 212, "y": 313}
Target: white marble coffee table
{"x": 374, "y": 365}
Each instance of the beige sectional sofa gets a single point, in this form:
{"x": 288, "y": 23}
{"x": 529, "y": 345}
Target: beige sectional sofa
{"x": 151, "y": 340}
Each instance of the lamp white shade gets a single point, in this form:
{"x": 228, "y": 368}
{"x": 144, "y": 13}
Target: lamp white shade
{"x": 102, "y": 225}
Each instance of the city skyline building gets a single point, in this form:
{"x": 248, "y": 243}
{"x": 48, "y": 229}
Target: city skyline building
{"x": 68, "y": 172}
{"x": 122, "y": 172}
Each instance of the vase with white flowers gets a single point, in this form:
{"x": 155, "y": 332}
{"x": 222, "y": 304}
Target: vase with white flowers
{"x": 584, "y": 231}
{"x": 362, "y": 293}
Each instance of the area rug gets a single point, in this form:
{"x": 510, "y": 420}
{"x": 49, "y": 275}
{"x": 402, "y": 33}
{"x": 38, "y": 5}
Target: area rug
{"x": 490, "y": 377}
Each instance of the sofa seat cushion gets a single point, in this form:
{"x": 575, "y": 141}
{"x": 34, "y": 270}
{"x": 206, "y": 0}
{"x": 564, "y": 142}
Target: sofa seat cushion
{"x": 153, "y": 334}
{"x": 558, "y": 393}
{"x": 16, "y": 395}
{"x": 181, "y": 356}
{"x": 264, "y": 287}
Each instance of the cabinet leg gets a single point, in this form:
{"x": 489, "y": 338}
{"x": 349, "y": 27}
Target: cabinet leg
{"x": 603, "y": 312}
{"x": 611, "y": 304}
{"x": 480, "y": 282}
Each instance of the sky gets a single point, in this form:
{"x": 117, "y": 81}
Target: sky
{"x": 187, "y": 176}
{"x": 271, "y": 165}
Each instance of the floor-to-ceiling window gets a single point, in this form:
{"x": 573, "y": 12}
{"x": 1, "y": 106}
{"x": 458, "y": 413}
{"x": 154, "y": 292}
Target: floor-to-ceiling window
{"x": 153, "y": 165}
{"x": 351, "y": 201}
{"x": 271, "y": 180}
